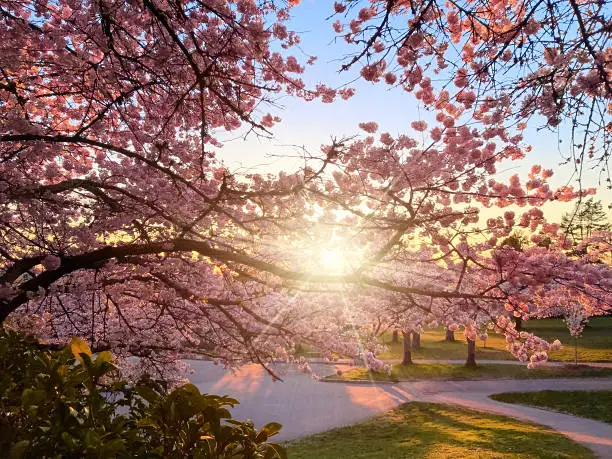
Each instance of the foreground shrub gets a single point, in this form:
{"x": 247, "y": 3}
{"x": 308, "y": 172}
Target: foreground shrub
{"x": 70, "y": 403}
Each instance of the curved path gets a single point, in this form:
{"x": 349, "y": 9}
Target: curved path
{"x": 461, "y": 362}
{"x": 595, "y": 435}
{"x": 305, "y": 407}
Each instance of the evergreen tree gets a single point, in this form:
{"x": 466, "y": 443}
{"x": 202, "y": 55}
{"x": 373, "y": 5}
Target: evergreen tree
{"x": 587, "y": 217}
{"x": 518, "y": 240}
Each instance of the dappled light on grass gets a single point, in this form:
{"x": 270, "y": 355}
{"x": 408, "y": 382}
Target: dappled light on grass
{"x": 426, "y": 430}
{"x": 433, "y": 346}
{"x": 475, "y": 403}
{"x": 595, "y": 344}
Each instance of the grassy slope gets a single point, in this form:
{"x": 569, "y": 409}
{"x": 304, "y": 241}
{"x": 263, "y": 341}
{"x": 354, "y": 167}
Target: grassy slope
{"x": 427, "y": 430}
{"x": 595, "y": 345}
{"x": 587, "y": 404}
{"x": 433, "y": 346}
{"x": 460, "y": 372}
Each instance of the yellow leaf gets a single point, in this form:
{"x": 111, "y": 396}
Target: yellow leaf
{"x": 78, "y": 347}
{"x": 104, "y": 356}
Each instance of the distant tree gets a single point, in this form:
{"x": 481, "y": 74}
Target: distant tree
{"x": 576, "y": 318}
{"x": 450, "y": 335}
{"x": 587, "y": 217}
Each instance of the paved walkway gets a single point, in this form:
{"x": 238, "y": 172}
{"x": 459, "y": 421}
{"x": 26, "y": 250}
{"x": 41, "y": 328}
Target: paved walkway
{"x": 305, "y": 407}
{"x": 462, "y": 362}
{"x": 301, "y": 405}
{"x": 511, "y": 362}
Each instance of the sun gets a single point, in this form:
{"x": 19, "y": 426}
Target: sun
{"x": 332, "y": 260}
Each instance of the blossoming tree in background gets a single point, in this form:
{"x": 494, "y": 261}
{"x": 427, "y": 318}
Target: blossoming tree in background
{"x": 575, "y": 310}
{"x": 575, "y": 319}
{"x": 119, "y": 224}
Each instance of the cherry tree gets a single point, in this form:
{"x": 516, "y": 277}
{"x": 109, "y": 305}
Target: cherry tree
{"x": 543, "y": 62}
{"x": 574, "y": 306}
{"x": 117, "y": 219}
{"x": 119, "y": 223}
{"x": 576, "y": 320}
{"x": 416, "y": 191}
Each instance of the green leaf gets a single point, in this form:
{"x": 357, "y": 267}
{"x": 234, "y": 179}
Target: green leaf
{"x": 190, "y": 389}
{"x": 19, "y": 449}
{"x": 272, "y": 428}
{"x": 78, "y": 347}
{"x": 275, "y": 450}
{"x": 267, "y": 431}
{"x": 234, "y": 422}
{"x": 207, "y": 447}
{"x": 27, "y": 397}
{"x": 112, "y": 447}
{"x": 32, "y": 397}
{"x": 147, "y": 393}
{"x": 147, "y": 422}
{"x": 92, "y": 439}
{"x": 68, "y": 440}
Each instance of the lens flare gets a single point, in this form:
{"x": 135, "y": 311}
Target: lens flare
{"x": 332, "y": 260}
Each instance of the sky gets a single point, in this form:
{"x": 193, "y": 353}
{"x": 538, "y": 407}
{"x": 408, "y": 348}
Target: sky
{"x": 311, "y": 124}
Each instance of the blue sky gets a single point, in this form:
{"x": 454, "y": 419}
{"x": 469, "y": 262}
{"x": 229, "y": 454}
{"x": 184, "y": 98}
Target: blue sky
{"x": 311, "y": 124}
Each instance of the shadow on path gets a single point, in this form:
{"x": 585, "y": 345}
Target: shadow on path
{"x": 305, "y": 406}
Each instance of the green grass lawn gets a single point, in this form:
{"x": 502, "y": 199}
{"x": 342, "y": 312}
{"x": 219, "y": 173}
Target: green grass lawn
{"x": 433, "y": 346}
{"x": 429, "y": 430}
{"x": 587, "y": 404}
{"x": 460, "y": 372}
{"x": 595, "y": 345}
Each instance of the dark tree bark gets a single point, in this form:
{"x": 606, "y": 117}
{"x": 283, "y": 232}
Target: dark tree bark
{"x": 471, "y": 358}
{"x": 97, "y": 258}
{"x": 450, "y": 335}
{"x": 519, "y": 323}
{"x": 395, "y": 339}
{"x": 407, "y": 359}
{"x": 416, "y": 340}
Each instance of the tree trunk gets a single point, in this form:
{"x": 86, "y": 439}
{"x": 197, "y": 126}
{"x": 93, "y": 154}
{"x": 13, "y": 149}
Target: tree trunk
{"x": 519, "y": 323}
{"x": 395, "y": 339}
{"x": 407, "y": 360}
{"x": 575, "y": 350}
{"x": 471, "y": 358}
{"x": 450, "y": 335}
{"x": 416, "y": 340}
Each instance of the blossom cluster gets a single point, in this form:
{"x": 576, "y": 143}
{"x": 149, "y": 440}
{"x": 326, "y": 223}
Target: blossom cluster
{"x": 376, "y": 365}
